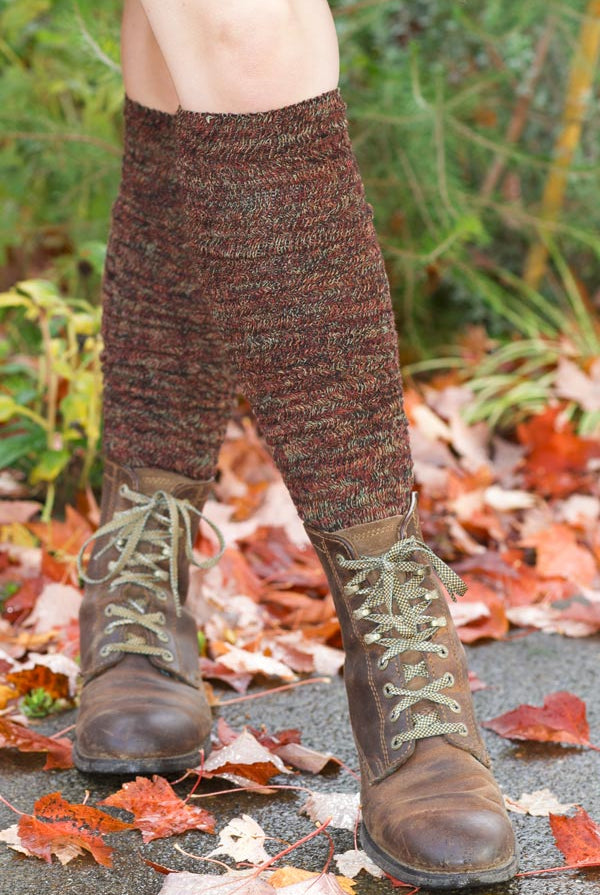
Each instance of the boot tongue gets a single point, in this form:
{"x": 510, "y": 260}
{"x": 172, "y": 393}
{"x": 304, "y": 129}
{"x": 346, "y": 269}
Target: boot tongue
{"x": 373, "y": 538}
{"x": 148, "y": 480}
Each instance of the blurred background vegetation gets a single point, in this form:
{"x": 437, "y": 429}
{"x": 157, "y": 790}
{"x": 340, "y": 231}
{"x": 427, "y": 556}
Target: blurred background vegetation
{"x": 477, "y": 129}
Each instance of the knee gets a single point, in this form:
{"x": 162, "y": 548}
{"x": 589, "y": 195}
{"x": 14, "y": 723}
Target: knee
{"x": 250, "y": 31}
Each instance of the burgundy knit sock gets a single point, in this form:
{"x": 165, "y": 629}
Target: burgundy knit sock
{"x": 278, "y": 216}
{"x": 168, "y": 392}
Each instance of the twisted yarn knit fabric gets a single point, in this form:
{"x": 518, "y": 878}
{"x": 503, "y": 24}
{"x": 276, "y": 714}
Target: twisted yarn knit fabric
{"x": 168, "y": 391}
{"x": 281, "y": 227}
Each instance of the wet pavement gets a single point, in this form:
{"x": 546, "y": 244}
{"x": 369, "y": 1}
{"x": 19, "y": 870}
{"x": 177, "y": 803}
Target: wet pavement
{"x": 521, "y": 670}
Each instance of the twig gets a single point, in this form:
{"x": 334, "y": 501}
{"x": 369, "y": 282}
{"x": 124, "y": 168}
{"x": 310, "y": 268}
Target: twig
{"x": 247, "y": 696}
{"x": 519, "y": 117}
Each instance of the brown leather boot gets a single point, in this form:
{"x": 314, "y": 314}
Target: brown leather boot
{"x": 143, "y": 707}
{"x": 432, "y": 813}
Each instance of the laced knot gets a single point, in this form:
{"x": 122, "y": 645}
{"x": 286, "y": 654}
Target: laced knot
{"x": 147, "y": 538}
{"x": 397, "y": 603}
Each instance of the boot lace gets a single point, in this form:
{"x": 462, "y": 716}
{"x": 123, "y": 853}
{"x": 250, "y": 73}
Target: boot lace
{"x": 157, "y": 521}
{"x": 398, "y": 606}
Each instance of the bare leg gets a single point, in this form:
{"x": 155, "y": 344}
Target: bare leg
{"x": 246, "y": 55}
{"x": 145, "y": 73}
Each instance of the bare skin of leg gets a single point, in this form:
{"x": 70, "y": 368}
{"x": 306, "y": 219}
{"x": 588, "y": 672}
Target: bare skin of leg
{"x": 145, "y": 73}
{"x": 230, "y": 55}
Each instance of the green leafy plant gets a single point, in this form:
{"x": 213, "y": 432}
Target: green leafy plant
{"x": 38, "y": 703}
{"x": 50, "y": 403}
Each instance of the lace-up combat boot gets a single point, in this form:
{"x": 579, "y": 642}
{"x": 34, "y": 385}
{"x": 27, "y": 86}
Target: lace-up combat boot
{"x": 432, "y": 813}
{"x": 143, "y": 708}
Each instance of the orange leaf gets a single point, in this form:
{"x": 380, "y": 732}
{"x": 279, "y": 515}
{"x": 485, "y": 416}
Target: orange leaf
{"x": 562, "y": 719}
{"x": 560, "y": 556}
{"x": 57, "y": 823}
{"x": 577, "y": 837}
{"x": 158, "y": 811}
{"x": 495, "y": 625}
{"x": 15, "y": 736}
{"x": 54, "y": 683}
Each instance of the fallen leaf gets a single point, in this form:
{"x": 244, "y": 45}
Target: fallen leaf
{"x": 562, "y": 719}
{"x": 15, "y": 736}
{"x": 243, "y": 661}
{"x": 475, "y": 683}
{"x": 243, "y": 840}
{"x": 286, "y": 876}
{"x": 64, "y": 853}
{"x": 572, "y": 383}
{"x": 157, "y": 810}
{"x": 351, "y": 862}
{"x": 244, "y": 761}
{"x": 341, "y": 807}
{"x": 56, "y": 605}
{"x": 18, "y": 510}
{"x": 578, "y": 838}
{"x": 540, "y": 803}
{"x": 560, "y": 556}
{"x": 231, "y": 883}
{"x": 303, "y": 758}
{"x": 40, "y": 676}
{"x": 57, "y": 824}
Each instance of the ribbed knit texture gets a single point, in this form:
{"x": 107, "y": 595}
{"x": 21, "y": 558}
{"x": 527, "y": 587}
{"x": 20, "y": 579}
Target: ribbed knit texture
{"x": 279, "y": 219}
{"x": 168, "y": 392}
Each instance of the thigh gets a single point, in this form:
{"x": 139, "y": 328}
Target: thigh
{"x": 145, "y": 73}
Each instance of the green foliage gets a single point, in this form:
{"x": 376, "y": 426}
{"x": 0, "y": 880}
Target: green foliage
{"x": 50, "y": 403}
{"x": 60, "y": 99}
{"x": 433, "y": 88}
{"x": 38, "y": 703}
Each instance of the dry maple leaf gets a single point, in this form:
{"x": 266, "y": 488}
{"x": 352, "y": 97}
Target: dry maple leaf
{"x": 577, "y": 837}
{"x": 244, "y": 761}
{"x": 243, "y": 840}
{"x": 350, "y": 863}
{"x": 15, "y": 736}
{"x": 540, "y": 803}
{"x": 231, "y": 883}
{"x": 562, "y": 719}
{"x": 26, "y": 679}
{"x": 341, "y": 807}
{"x": 157, "y": 809}
{"x": 57, "y": 824}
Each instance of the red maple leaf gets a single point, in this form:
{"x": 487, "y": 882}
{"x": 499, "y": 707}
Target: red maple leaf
{"x": 577, "y": 837}
{"x": 57, "y": 824}
{"x": 157, "y": 809}
{"x": 562, "y": 719}
{"x": 15, "y": 736}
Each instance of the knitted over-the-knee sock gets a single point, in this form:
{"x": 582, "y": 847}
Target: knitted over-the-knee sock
{"x": 168, "y": 391}
{"x": 278, "y": 216}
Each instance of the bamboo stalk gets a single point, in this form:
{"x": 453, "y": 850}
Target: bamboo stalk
{"x": 579, "y": 92}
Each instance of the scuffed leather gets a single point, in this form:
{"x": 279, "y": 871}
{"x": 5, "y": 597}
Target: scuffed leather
{"x": 133, "y": 705}
{"x": 433, "y": 803}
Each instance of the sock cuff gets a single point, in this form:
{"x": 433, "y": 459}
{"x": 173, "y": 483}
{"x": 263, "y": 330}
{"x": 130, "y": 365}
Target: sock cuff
{"x": 148, "y": 146}
{"x": 264, "y": 135}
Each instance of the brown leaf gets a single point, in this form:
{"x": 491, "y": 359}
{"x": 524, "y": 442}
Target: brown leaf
{"x": 158, "y": 811}
{"x": 57, "y": 823}
{"x": 562, "y": 719}
{"x": 577, "y": 837}
{"x": 495, "y": 625}
{"x": 15, "y": 736}
{"x": 231, "y": 883}
{"x": 244, "y": 761}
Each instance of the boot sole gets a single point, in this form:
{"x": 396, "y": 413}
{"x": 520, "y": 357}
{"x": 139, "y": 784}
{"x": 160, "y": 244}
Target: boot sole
{"x": 453, "y": 880}
{"x": 132, "y": 765}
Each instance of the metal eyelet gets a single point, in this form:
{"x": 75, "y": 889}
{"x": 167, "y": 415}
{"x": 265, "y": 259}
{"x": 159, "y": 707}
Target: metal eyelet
{"x": 449, "y": 679}
{"x": 455, "y": 707}
{"x": 396, "y": 744}
{"x": 105, "y": 651}
{"x": 167, "y": 655}
{"x": 373, "y": 637}
{"x": 161, "y": 618}
{"x": 164, "y": 638}
{"x": 443, "y": 652}
{"x": 388, "y": 691}
{"x": 109, "y": 610}
{"x": 122, "y": 490}
{"x": 463, "y": 731}
{"x": 158, "y": 573}
{"x": 166, "y": 552}
{"x": 120, "y": 543}
{"x": 382, "y": 663}
{"x": 338, "y": 558}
